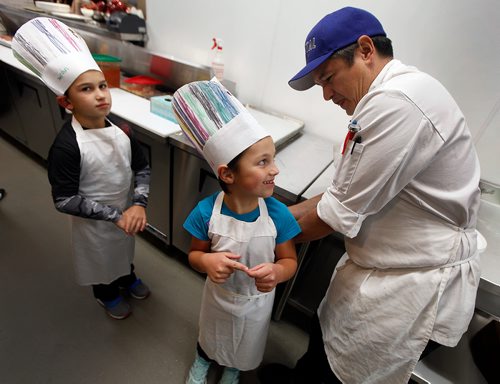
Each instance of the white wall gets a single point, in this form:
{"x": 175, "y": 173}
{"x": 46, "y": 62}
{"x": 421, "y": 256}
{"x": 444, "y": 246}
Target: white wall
{"x": 457, "y": 41}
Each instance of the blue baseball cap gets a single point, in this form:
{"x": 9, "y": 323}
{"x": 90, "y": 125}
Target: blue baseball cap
{"x": 333, "y": 32}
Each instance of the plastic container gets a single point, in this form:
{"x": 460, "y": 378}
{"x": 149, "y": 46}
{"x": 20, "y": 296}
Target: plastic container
{"x": 110, "y": 66}
{"x": 141, "y": 85}
{"x": 162, "y": 106}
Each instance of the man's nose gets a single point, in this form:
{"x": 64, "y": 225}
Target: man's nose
{"x": 327, "y": 93}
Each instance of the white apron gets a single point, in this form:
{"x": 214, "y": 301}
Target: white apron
{"x": 375, "y": 324}
{"x": 235, "y": 316}
{"x": 101, "y": 250}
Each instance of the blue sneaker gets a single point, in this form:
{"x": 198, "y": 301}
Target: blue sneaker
{"x": 198, "y": 372}
{"x": 117, "y": 309}
{"x": 230, "y": 376}
{"x": 138, "y": 290}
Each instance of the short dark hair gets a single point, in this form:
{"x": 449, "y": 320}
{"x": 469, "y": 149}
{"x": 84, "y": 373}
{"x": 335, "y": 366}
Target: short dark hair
{"x": 382, "y": 44}
{"x": 233, "y": 166}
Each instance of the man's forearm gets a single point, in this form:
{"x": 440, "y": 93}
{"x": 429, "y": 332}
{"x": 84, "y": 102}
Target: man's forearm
{"x": 313, "y": 228}
{"x": 303, "y": 208}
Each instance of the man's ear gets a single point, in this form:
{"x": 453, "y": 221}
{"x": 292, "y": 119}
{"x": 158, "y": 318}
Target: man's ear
{"x": 64, "y": 102}
{"x": 225, "y": 174}
{"x": 366, "y": 47}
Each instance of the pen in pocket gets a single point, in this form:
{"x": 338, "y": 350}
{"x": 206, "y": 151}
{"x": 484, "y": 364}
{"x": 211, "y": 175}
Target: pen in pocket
{"x": 356, "y": 140}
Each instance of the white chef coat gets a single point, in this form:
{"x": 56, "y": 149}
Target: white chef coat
{"x": 102, "y": 251}
{"x": 406, "y": 198}
{"x": 235, "y": 316}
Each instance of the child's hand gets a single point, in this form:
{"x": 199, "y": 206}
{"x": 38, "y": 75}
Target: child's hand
{"x": 133, "y": 220}
{"x": 265, "y": 275}
{"x": 220, "y": 265}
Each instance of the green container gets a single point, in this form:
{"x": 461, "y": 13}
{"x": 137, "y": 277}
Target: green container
{"x": 110, "y": 67}
{"x": 106, "y": 58}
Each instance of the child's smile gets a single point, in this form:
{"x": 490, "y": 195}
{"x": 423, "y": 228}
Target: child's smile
{"x": 256, "y": 170}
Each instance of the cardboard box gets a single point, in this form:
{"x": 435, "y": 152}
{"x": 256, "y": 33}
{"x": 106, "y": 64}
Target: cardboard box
{"x": 162, "y": 106}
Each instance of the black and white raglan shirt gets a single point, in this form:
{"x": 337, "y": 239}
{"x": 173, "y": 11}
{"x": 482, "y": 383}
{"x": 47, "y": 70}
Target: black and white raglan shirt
{"x": 64, "y": 177}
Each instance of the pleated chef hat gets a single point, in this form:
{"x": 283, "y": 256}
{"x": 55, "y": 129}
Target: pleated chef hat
{"x": 217, "y": 124}
{"x": 53, "y": 51}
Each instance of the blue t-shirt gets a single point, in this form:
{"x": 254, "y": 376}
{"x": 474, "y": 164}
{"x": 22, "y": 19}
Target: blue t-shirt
{"x": 286, "y": 225}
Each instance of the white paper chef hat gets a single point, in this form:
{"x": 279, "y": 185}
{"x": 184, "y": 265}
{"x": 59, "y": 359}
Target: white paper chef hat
{"x": 217, "y": 124}
{"x": 53, "y": 51}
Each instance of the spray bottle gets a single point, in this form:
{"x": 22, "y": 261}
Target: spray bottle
{"x": 217, "y": 61}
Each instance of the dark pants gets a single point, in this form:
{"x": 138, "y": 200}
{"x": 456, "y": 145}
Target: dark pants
{"x": 109, "y": 292}
{"x": 313, "y": 367}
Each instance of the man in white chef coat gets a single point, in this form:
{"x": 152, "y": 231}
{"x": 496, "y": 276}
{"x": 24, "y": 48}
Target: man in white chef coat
{"x": 405, "y": 196}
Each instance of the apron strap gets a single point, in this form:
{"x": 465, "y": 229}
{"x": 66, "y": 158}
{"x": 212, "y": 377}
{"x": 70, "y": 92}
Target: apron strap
{"x": 216, "y": 210}
{"x": 220, "y": 198}
{"x": 263, "y": 208}
{"x": 465, "y": 236}
{"x": 77, "y": 127}
{"x": 458, "y": 262}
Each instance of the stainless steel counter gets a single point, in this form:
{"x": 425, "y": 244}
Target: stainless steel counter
{"x": 489, "y": 226}
{"x": 136, "y": 60}
{"x": 136, "y": 110}
{"x": 321, "y": 183}
{"x": 300, "y": 163}
{"x": 488, "y": 297}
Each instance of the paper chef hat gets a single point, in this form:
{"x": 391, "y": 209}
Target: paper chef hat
{"x": 217, "y": 124}
{"x": 53, "y": 51}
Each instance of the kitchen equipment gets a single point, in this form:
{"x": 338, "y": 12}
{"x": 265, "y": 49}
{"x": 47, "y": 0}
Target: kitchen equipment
{"x": 130, "y": 27}
{"x": 53, "y": 7}
{"x": 110, "y": 66}
{"x": 141, "y": 85}
{"x": 162, "y": 106}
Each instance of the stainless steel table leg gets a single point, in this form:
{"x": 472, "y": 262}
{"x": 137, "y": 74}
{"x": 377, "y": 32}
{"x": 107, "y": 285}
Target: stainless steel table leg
{"x": 290, "y": 283}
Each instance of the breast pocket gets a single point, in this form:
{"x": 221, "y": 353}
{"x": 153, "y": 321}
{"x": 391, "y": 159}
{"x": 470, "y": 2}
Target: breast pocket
{"x": 346, "y": 167}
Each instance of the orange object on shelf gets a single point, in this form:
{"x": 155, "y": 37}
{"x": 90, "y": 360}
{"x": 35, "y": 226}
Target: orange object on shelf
{"x": 110, "y": 67}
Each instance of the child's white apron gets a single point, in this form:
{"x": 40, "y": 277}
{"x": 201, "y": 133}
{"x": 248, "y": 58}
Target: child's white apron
{"x": 235, "y": 316}
{"x": 102, "y": 251}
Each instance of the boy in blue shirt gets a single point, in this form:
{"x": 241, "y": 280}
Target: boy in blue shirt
{"x": 241, "y": 237}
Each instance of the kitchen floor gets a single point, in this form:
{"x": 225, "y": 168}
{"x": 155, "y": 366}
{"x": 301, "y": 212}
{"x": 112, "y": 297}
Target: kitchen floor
{"x": 53, "y": 331}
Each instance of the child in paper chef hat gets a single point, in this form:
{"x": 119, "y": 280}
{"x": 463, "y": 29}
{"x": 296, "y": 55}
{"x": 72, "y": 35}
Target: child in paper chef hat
{"x": 91, "y": 164}
{"x": 241, "y": 237}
